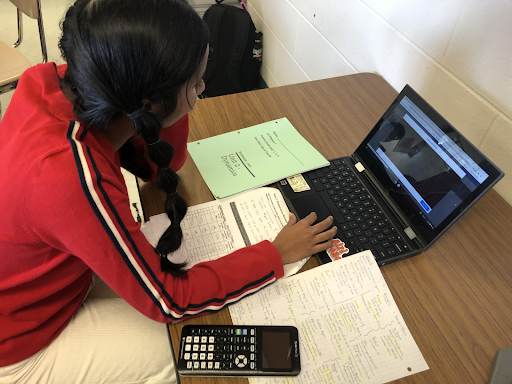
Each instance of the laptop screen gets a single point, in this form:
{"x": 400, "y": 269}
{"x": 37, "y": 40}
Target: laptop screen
{"x": 427, "y": 168}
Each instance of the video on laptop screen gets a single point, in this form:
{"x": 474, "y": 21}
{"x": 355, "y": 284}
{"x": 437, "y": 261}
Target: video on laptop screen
{"x": 428, "y": 168}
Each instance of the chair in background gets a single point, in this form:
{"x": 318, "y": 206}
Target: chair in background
{"x": 12, "y": 62}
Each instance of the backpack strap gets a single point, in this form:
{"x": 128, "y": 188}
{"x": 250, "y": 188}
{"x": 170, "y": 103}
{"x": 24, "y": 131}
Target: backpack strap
{"x": 213, "y": 17}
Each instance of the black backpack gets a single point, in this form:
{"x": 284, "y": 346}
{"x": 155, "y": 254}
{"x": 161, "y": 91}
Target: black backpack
{"x": 235, "y": 51}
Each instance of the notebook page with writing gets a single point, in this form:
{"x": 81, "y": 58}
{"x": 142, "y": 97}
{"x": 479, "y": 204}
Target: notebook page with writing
{"x": 216, "y": 228}
{"x": 350, "y": 328}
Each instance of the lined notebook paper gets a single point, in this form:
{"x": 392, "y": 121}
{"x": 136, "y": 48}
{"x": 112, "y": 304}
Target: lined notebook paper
{"x": 350, "y": 329}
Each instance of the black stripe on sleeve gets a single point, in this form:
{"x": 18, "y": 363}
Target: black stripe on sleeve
{"x": 102, "y": 221}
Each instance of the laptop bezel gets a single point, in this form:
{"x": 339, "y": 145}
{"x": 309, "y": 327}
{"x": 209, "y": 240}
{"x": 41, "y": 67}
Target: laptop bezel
{"x": 410, "y": 210}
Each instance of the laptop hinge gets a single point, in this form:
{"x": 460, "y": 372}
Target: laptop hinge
{"x": 359, "y": 167}
{"x": 370, "y": 178}
{"x": 410, "y": 233}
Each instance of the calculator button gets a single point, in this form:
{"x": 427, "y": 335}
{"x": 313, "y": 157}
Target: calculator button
{"x": 252, "y": 365}
{"x": 210, "y": 365}
{"x": 217, "y": 365}
{"x": 203, "y": 339}
{"x": 202, "y": 356}
{"x": 187, "y": 347}
{"x": 211, "y": 339}
{"x": 195, "y": 356}
{"x": 196, "y": 364}
{"x": 203, "y": 364}
{"x": 241, "y": 361}
{"x": 252, "y": 356}
{"x": 186, "y": 356}
{"x": 252, "y": 348}
{"x": 189, "y": 339}
{"x": 210, "y": 348}
{"x": 196, "y": 339}
{"x": 189, "y": 365}
{"x": 195, "y": 347}
{"x": 203, "y": 347}
{"x": 210, "y": 356}
{"x": 244, "y": 332}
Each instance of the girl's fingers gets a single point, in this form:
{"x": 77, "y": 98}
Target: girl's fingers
{"x": 326, "y": 235}
{"x": 323, "y": 225}
{"x": 291, "y": 220}
{"x": 323, "y": 246}
{"x": 310, "y": 219}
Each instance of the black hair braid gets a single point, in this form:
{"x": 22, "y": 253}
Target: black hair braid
{"x": 122, "y": 57}
{"x": 127, "y": 155}
{"x": 161, "y": 152}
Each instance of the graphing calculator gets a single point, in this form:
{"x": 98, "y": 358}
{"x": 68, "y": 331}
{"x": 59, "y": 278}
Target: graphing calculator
{"x": 223, "y": 350}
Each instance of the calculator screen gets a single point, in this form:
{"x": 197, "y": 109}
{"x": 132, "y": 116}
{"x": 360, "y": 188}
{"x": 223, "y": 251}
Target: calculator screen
{"x": 276, "y": 350}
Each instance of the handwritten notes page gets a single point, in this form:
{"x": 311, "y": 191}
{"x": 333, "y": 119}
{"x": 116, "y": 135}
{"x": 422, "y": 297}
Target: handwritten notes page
{"x": 350, "y": 329}
{"x": 214, "y": 229}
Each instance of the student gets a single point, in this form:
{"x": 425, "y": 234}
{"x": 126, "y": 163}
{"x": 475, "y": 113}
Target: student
{"x": 133, "y": 67}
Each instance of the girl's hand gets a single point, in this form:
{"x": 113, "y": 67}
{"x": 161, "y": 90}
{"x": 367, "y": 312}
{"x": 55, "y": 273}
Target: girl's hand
{"x": 298, "y": 240}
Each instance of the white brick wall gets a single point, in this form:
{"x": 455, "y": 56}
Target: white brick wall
{"x": 456, "y": 53}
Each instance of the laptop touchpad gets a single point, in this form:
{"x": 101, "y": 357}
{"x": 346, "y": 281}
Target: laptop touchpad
{"x": 307, "y": 204}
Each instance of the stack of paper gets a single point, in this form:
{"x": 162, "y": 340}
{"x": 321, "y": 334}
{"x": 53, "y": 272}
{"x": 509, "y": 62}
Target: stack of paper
{"x": 350, "y": 329}
{"x": 214, "y": 229}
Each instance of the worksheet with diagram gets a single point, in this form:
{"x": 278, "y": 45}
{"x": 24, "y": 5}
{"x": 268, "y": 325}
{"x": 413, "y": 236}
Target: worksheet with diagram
{"x": 350, "y": 328}
{"x": 216, "y": 228}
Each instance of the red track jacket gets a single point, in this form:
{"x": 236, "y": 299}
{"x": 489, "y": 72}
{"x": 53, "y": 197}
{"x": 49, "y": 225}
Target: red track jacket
{"x": 65, "y": 213}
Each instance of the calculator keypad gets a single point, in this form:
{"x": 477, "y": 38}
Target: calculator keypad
{"x": 220, "y": 349}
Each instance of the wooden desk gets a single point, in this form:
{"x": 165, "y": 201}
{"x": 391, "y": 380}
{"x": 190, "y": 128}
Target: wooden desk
{"x": 456, "y": 297}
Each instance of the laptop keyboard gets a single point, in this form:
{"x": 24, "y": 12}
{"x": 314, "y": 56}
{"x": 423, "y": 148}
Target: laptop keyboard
{"x": 362, "y": 224}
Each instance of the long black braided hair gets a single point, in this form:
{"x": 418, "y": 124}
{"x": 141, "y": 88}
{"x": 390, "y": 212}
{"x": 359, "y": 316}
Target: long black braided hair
{"x": 121, "y": 53}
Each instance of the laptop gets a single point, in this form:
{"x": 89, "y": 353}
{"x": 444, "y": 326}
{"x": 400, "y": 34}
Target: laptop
{"x": 410, "y": 179}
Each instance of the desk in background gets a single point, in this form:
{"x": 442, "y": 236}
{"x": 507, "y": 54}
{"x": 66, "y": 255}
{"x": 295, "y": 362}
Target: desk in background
{"x": 456, "y": 297}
